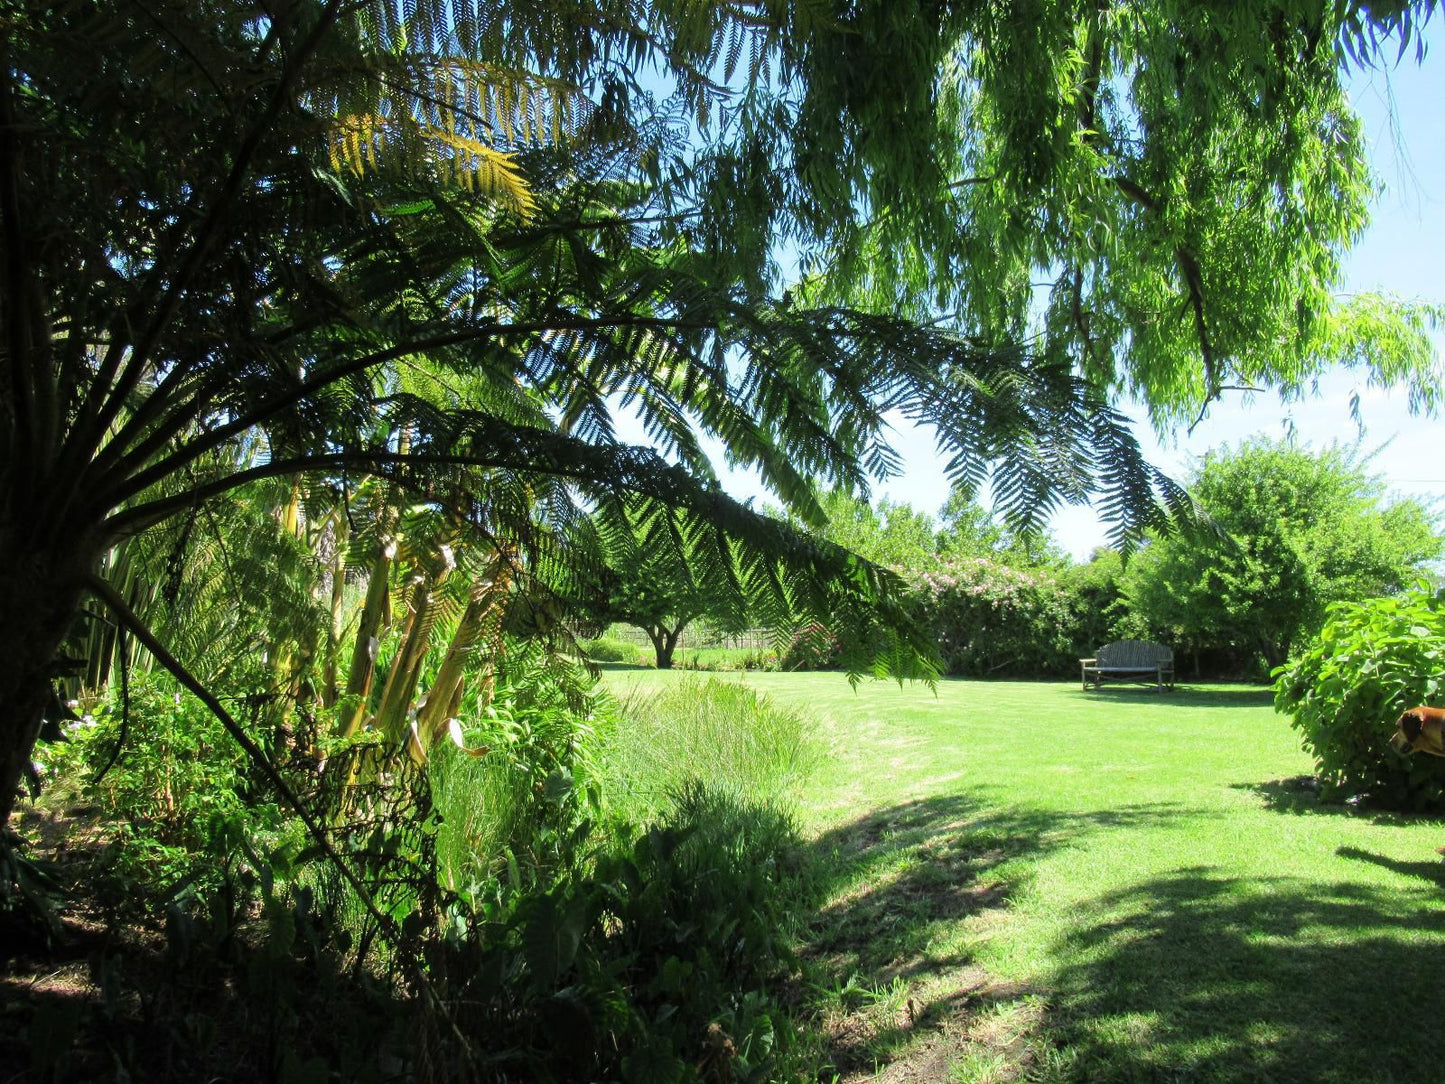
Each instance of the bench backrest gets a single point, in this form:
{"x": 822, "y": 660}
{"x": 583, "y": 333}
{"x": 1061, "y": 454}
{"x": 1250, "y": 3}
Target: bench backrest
{"x": 1134, "y": 653}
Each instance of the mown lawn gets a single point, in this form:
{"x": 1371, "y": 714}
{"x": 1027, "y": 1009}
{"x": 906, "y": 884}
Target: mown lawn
{"x": 1027, "y": 880}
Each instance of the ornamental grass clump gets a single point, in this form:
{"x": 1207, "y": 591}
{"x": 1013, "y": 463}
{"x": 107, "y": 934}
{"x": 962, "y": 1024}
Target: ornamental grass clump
{"x": 1371, "y": 661}
{"x": 736, "y": 739}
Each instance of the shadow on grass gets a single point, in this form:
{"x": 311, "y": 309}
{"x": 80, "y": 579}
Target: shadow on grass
{"x": 1299, "y": 795}
{"x": 1200, "y": 976}
{"x": 1191, "y": 976}
{"x": 1183, "y": 696}
{"x": 1434, "y": 872}
{"x": 898, "y": 883}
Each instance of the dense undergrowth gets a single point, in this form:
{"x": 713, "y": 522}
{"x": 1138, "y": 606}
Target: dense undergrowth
{"x": 581, "y": 890}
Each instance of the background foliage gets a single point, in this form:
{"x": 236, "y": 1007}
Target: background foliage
{"x": 1295, "y": 530}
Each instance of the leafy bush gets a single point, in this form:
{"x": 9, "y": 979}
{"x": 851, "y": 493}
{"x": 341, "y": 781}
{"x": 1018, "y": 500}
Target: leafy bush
{"x": 813, "y": 647}
{"x": 738, "y": 739}
{"x": 610, "y": 649}
{"x": 660, "y": 965}
{"x": 1373, "y": 660}
{"x": 993, "y": 620}
{"x": 173, "y": 784}
{"x": 510, "y": 810}
{"x": 1301, "y": 529}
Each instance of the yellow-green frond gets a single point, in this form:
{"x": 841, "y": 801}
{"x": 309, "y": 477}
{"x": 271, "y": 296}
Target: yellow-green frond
{"x": 363, "y": 143}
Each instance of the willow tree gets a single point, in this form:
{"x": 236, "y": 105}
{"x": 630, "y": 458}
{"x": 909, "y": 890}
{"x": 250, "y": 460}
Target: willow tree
{"x": 226, "y": 224}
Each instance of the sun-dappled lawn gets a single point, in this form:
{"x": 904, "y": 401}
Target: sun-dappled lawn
{"x": 1025, "y": 878}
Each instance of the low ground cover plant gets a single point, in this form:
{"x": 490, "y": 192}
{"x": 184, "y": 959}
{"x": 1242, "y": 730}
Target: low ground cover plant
{"x": 563, "y": 931}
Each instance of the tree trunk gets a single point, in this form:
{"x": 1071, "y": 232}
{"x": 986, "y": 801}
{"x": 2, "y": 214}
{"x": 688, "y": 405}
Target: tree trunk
{"x": 39, "y": 598}
{"x": 664, "y": 644}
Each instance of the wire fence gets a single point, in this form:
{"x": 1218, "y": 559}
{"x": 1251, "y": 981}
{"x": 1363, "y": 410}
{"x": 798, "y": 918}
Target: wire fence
{"x": 698, "y": 638}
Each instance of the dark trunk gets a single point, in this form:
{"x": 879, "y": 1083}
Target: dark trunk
{"x": 664, "y": 644}
{"x": 39, "y": 598}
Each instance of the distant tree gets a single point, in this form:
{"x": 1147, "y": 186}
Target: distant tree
{"x": 661, "y": 577}
{"x": 892, "y": 534}
{"x": 968, "y": 529}
{"x": 1299, "y": 530}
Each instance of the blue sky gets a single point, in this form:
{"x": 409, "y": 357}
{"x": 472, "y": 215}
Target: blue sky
{"x": 1403, "y": 253}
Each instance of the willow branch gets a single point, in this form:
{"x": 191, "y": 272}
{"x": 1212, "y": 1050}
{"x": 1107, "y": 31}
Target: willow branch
{"x": 1188, "y": 264}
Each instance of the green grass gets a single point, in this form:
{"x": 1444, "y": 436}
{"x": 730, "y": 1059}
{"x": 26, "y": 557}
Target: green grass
{"x": 690, "y": 728}
{"x": 1116, "y": 885}
{"x": 726, "y": 658}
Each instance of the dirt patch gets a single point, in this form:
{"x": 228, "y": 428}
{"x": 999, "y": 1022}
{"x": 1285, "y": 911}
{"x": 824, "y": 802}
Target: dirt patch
{"x": 984, "y": 1026}
{"x": 105, "y": 989}
{"x": 904, "y": 1000}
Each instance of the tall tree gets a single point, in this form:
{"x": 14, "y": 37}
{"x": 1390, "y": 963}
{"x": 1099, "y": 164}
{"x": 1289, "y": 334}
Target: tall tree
{"x": 968, "y": 529}
{"x": 1297, "y": 530}
{"x": 227, "y": 225}
{"x": 891, "y": 533}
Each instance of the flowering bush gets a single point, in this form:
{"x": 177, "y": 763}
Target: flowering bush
{"x": 813, "y": 647}
{"x": 994, "y": 620}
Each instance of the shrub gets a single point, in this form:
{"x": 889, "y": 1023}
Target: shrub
{"x": 813, "y": 647}
{"x": 610, "y": 649}
{"x": 993, "y": 620}
{"x": 660, "y": 964}
{"x": 175, "y": 787}
{"x": 1373, "y": 660}
{"x": 509, "y": 811}
{"x": 727, "y": 659}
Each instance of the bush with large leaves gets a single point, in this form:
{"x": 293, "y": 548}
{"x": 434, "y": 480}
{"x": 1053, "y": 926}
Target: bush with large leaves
{"x": 1373, "y": 660}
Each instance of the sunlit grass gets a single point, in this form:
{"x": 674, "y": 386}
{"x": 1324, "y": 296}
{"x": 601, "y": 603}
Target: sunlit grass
{"x": 722, "y": 733}
{"x": 1136, "y": 881}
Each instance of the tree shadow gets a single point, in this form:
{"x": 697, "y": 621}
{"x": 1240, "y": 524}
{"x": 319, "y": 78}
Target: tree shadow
{"x": 1434, "y": 872}
{"x": 1299, "y": 795}
{"x": 1201, "y": 976}
{"x": 1183, "y": 696}
{"x": 896, "y": 874}
{"x": 895, "y": 886}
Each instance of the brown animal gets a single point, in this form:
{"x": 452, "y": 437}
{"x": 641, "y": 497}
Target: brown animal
{"x": 1421, "y": 730}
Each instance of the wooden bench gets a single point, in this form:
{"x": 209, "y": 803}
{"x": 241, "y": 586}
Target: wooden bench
{"x": 1130, "y": 660}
